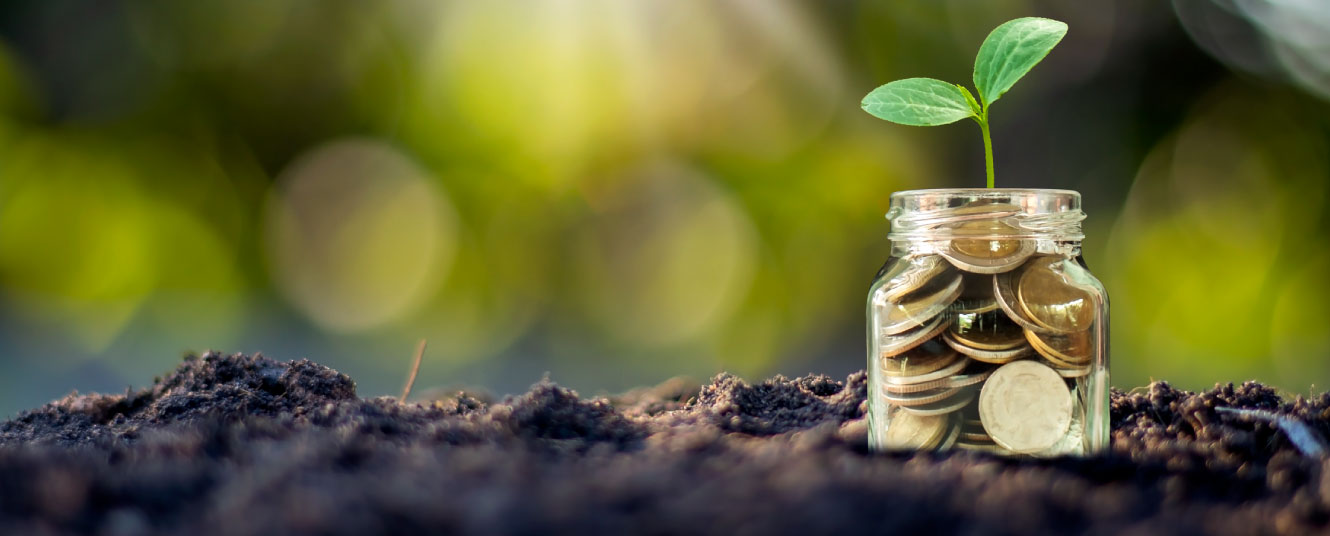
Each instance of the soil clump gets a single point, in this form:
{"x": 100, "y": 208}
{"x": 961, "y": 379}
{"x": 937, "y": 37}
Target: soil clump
{"x": 248, "y": 445}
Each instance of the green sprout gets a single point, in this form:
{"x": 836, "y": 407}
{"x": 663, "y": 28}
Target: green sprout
{"x": 1009, "y": 52}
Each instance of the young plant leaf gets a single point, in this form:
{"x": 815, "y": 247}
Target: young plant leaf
{"x": 921, "y": 102}
{"x": 1012, "y": 50}
{"x": 969, "y": 98}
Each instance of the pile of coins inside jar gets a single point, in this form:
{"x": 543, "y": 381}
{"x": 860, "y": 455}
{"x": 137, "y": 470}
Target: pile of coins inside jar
{"x": 983, "y": 340}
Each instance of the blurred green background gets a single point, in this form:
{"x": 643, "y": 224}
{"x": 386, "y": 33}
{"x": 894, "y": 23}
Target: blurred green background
{"x": 618, "y": 192}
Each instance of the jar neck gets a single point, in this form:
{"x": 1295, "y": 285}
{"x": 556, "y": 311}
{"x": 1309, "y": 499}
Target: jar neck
{"x": 1052, "y": 216}
{"x": 914, "y": 247}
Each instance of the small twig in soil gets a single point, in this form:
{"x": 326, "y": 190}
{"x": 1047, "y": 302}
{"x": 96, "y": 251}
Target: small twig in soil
{"x": 415, "y": 368}
{"x": 1303, "y": 437}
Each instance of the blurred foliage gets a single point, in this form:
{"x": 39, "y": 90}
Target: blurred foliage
{"x": 619, "y": 192}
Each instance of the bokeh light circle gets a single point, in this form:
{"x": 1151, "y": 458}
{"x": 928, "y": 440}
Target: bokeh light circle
{"x": 358, "y": 235}
{"x": 668, "y": 257}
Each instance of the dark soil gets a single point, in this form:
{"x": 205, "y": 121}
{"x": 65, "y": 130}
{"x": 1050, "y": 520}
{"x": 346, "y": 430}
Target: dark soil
{"x": 247, "y": 445}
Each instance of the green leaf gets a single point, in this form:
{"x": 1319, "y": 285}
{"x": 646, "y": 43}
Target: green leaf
{"x": 1011, "y": 51}
{"x": 921, "y": 102}
{"x": 969, "y": 99}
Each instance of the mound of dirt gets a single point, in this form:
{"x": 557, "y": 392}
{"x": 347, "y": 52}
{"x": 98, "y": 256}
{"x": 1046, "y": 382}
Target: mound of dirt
{"x": 247, "y": 445}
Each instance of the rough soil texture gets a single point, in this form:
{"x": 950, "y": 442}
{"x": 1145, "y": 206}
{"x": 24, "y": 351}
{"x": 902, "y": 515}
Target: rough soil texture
{"x": 247, "y": 445}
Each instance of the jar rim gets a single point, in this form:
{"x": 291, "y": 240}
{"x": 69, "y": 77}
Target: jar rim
{"x": 986, "y": 192}
{"x": 1034, "y": 212}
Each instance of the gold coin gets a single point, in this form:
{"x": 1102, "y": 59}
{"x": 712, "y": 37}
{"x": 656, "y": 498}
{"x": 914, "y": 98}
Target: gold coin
{"x": 951, "y": 404}
{"x": 985, "y": 254}
{"x": 1004, "y": 289}
{"x": 923, "y": 306}
{"x": 901, "y": 342}
{"x": 988, "y": 447}
{"x": 975, "y": 437}
{"x": 995, "y": 357}
{"x": 1051, "y": 300}
{"x": 1068, "y": 351}
{"x": 1064, "y": 368}
{"x": 1025, "y": 406}
{"x": 911, "y": 431}
{"x": 922, "y": 359}
{"x": 920, "y": 269}
{"x": 986, "y": 331}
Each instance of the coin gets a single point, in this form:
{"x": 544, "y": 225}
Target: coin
{"x": 923, "y": 305}
{"x": 962, "y": 373}
{"x": 918, "y": 361}
{"x": 996, "y": 357}
{"x": 957, "y": 401}
{"x": 1052, "y": 301}
{"x": 909, "y": 384}
{"x": 988, "y": 447}
{"x": 911, "y": 431}
{"x": 888, "y": 385}
{"x": 952, "y": 435}
{"x": 919, "y": 271}
{"x": 1069, "y": 351}
{"x": 895, "y": 344}
{"x": 972, "y": 431}
{"x": 1073, "y": 372}
{"x": 985, "y": 254}
{"x": 1064, "y": 368}
{"x": 986, "y": 331}
{"x": 921, "y": 398}
{"x": 1025, "y": 406}
{"x": 1004, "y": 289}
{"x": 973, "y": 374}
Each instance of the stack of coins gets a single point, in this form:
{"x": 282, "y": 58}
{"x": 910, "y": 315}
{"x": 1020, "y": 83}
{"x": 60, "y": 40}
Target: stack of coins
{"x": 982, "y": 338}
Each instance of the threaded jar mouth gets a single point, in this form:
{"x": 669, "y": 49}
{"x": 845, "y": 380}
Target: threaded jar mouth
{"x": 986, "y": 213}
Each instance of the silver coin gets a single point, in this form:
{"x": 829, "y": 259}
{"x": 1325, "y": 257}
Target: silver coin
{"x": 924, "y": 305}
{"x": 920, "y": 270}
{"x": 941, "y": 374}
{"x": 890, "y": 345}
{"x": 952, "y": 434}
{"x": 949, "y": 405}
{"x": 921, "y": 398}
{"x": 1025, "y": 406}
{"x": 972, "y": 376}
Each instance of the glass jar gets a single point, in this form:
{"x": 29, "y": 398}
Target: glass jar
{"x": 985, "y": 329}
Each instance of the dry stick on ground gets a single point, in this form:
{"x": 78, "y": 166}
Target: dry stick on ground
{"x": 1302, "y": 436}
{"x": 415, "y": 368}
